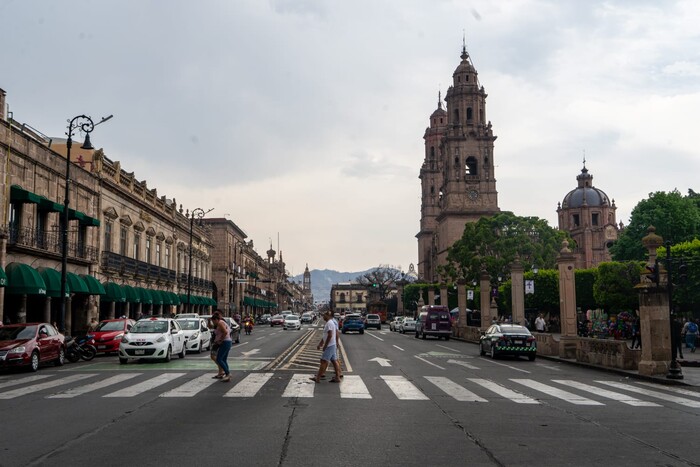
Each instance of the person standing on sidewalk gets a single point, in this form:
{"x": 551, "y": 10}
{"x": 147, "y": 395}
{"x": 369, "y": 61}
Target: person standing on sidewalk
{"x": 691, "y": 334}
{"x": 540, "y": 324}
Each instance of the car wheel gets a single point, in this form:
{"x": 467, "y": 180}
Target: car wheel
{"x": 61, "y": 357}
{"x": 531, "y": 357}
{"x": 184, "y": 351}
{"x": 123, "y": 361}
{"x": 493, "y": 351}
{"x": 167, "y": 355}
{"x": 422, "y": 335}
{"x": 481, "y": 349}
{"x": 34, "y": 361}
{"x": 362, "y": 331}
{"x": 344, "y": 331}
{"x": 416, "y": 336}
{"x": 447, "y": 338}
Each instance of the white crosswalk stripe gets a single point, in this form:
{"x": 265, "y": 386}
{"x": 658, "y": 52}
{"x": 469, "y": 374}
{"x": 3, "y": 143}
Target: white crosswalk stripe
{"x": 403, "y": 388}
{"x": 455, "y": 390}
{"x": 686, "y": 392}
{"x": 504, "y": 391}
{"x": 47, "y": 385}
{"x": 300, "y": 386}
{"x": 72, "y": 392}
{"x": 558, "y": 393}
{"x": 625, "y": 399}
{"x": 191, "y": 388}
{"x": 146, "y": 385}
{"x": 28, "y": 379}
{"x": 353, "y": 387}
{"x": 250, "y": 385}
{"x": 655, "y": 394}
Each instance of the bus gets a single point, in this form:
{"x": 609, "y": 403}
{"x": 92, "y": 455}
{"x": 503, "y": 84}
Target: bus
{"x": 378, "y": 308}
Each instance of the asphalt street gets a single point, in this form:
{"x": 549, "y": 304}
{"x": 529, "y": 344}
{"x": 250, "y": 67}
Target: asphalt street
{"x": 403, "y": 401}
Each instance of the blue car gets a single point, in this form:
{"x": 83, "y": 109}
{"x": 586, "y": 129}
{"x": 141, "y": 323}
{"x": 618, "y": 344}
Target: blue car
{"x": 353, "y": 324}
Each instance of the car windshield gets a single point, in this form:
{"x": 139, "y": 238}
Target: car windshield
{"x": 110, "y": 326}
{"x": 352, "y": 319}
{"x": 189, "y": 324}
{"x": 291, "y": 318}
{"x": 150, "y": 327}
{"x": 409, "y": 321}
{"x": 278, "y": 317}
{"x": 515, "y": 330}
{"x": 11, "y": 333}
{"x": 372, "y": 316}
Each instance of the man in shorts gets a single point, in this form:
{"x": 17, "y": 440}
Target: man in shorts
{"x": 328, "y": 345}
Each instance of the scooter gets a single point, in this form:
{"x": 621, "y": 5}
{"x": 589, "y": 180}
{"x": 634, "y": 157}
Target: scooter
{"x": 80, "y": 347}
{"x": 248, "y": 327}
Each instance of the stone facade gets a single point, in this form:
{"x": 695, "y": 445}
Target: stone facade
{"x": 349, "y": 297}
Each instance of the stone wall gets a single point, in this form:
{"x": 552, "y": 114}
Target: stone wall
{"x": 608, "y": 353}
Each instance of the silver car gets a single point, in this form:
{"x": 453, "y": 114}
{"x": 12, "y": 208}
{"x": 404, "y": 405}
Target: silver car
{"x": 292, "y": 322}
{"x": 408, "y": 324}
{"x": 394, "y": 325}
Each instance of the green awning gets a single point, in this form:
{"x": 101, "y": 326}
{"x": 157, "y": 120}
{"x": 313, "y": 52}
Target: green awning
{"x": 183, "y": 299}
{"x": 76, "y": 284}
{"x": 132, "y": 296}
{"x": 90, "y": 221}
{"x": 250, "y": 301}
{"x": 157, "y": 297}
{"x": 145, "y": 295}
{"x": 208, "y": 301}
{"x": 113, "y": 293}
{"x": 3, "y": 278}
{"x": 165, "y": 296}
{"x": 24, "y": 280}
{"x": 20, "y": 195}
{"x": 46, "y": 204}
{"x": 77, "y": 215}
{"x": 175, "y": 300}
{"x": 52, "y": 280}
{"x": 93, "y": 285}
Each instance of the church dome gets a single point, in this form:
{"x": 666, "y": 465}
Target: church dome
{"x": 585, "y": 194}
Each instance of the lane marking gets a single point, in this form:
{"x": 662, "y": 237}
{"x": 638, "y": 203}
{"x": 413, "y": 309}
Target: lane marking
{"x": 263, "y": 337}
{"x": 398, "y": 347}
{"x": 250, "y": 385}
{"x": 372, "y": 334}
{"x": 656, "y": 394}
{"x": 72, "y": 392}
{"x": 47, "y": 385}
{"x": 616, "y": 396}
{"x": 452, "y": 350}
{"x": 192, "y": 387}
{"x": 352, "y": 387}
{"x": 403, "y": 388}
{"x": 146, "y": 385}
{"x": 549, "y": 367}
{"x": 300, "y": 386}
{"x": 453, "y": 389}
{"x": 504, "y": 392}
{"x": 511, "y": 367}
{"x": 27, "y": 379}
{"x": 555, "y": 392}
{"x": 464, "y": 364}
{"x": 429, "y": 363}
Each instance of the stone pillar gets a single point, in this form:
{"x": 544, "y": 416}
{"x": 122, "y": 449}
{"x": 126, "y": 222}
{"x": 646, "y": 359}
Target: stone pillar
{"x": 399, "y": 299}
{"x": 485, "y": 291}
{"x": 462, "y": 302}
{"x": 22, "y": 312}
{"x": 431, "y": 296}
{"x": 47, "y": 310}
{"x": 654, "y": 315}
{"x": 112, "y": 309}
{"x": 567, "y": 302}
{"x": 443, "y": 295}
{"x": 517, "y": 289}
{"x": 69, "y": 316}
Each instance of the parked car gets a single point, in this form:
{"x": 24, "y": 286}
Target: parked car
{"x": 153, "y": 338}
{"x": 353, "y": 324}
{"x": 197, "y": 332}
{"x": 263, "y": 319}
{"x": 508, "y": 339}
{"x": 434, "y": 320}
{"x": 30, "y": 344}
{"x": 108, "y": 334}
{"x": 395, "y": 323}
{"x": 291, "y": 322}
{"x": 407, "y": 325}
{"x": 277, "y": 320}
{"x": 373, "y": 321}
{"x": 307, "y": 318}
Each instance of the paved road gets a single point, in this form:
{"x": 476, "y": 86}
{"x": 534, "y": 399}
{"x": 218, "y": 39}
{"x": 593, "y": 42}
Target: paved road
{"x": 403, "y": 401}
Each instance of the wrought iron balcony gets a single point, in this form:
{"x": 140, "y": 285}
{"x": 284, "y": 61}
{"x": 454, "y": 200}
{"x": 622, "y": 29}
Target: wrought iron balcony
{"x": 49, "y": 242}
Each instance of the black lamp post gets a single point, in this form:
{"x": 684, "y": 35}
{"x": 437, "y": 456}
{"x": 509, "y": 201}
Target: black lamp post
{"x": 199, "y": 213}
{"x": 85, "y": 124}
{"x": 674, "y": 371}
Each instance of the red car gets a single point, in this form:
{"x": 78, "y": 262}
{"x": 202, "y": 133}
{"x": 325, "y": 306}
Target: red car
{"x": 109, "y": 333}
{"x": 29, "y": 344}
{"x": 277, "y": 320}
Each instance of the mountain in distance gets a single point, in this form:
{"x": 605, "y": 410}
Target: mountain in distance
{"x": 323, "y": 279}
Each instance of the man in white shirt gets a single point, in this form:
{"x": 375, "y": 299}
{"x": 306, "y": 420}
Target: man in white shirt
{"x": 328, "y": 344}
{"x": 540, "y": 324}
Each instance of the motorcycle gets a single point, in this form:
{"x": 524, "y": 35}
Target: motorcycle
{"x": 248, "y": 327}
{"x": 80, "y": 347}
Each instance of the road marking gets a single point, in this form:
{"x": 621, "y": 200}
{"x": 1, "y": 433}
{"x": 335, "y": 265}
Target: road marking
{"x": 300, "y": 386}
{"x": 250, "y": 385}
{"x": 686, "y": 392}
{"x": 504, "y": 392}
{"x": 429, "y": 363}
{"x": 549, "y": 367}
{"x": 192, "y": 387}
{"x": 263, "y": 337}
{"x": 352, "y": 387}
{"x": 464, "y": 364}
{"x": 381, "y": 361}
{"x": 403, "y": 388}
{"x": 146, "y": 385}
{"x": 372, "y": 334}
{"x": 558, "y": 393}
{"x": 451, "y": 350}
{"x": 72, "y": 392}
{"x": 511, "y": 367}
{"x": 250, "y": 352}
{"x": 47, "y": 385}
{"x": 658, "y": 395}
{"x": 398, "y": 347}
{"x": 27, "y": 379}
{"x": 625, "y": 399}
{"x": 453, "y": 389}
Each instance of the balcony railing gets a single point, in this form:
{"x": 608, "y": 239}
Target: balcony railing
{"x": 50, "y": 242}
{"x": 133, "y": 267}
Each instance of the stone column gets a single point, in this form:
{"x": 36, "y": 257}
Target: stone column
{"x": 431, "y": 296}
{"x": 517, "y": 289}
{"x": 399, "y": 299}
{"x": 3, "y": 258}
{"x": 462, "y": 302}
{"x": 567, "y": 302}
{"x": 112, "y": 309}
{"x": 69, "y": 316}
{"x": 485, "y": 291}
{"x": 654, "y": 315}
{"x": 443, "y": 294}
{"x": 47, "y": 310}
{"x": 22, "y": 312}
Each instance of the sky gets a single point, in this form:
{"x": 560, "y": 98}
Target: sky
{"x": 302, "y": 121}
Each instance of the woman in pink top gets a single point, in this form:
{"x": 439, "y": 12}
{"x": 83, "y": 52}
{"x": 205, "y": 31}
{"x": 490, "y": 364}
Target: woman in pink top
{"x": 222, "y": 339}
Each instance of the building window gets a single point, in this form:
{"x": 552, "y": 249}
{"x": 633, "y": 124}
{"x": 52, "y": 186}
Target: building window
{"x": 342, "y": 297}
{"x": 576, "y": 220}
{"x": 167, "y": 256}
{"x": 137, "y": 245}
{"x": 469, "y": 113}
{"x": 122, "y": 241}
{"x": 108, "y": 236}
{"x": 158, "y": 254}
{"x": 456, "y": 115}
{"x": 148, "y": 250}
{"x": 470, "y": 167}
{"x": 40, "y": 231}
{"x": 594, "y": 218}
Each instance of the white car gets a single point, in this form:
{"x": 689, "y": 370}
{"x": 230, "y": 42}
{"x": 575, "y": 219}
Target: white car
{"x": 394, "y": 325}
{"x": 407, "y": 325}
{"x": 197, "y": 333}
{"x": 153, "y": 338}
{"x": 291, "y": 322}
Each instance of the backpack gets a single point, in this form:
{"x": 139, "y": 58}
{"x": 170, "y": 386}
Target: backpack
{"x": 692, "y": 328}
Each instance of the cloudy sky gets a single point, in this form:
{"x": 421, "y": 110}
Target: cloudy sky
{"x": 303, "y": 119}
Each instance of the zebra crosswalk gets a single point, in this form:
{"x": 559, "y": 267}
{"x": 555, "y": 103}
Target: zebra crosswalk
{"x": 298, "y": 385}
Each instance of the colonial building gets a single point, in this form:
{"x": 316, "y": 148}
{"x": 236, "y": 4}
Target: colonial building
{"x": 227, "y": 270}
{"x": 458, "y": 183}
{"x": 589, "y": 216}
{"x": 349, "y": 297}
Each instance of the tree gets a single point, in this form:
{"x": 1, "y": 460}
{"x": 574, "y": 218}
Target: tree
{"x": 614, "y": 285}
{"x": 494, "y": 242}
{"x": 675, "y": 217}
{"x": 685, "y": 274}
{"x": 380, "y": 280}
{"x": 585, "y": 279}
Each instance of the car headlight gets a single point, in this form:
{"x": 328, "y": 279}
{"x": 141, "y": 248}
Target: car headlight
{"x": 161, "y": 339}
{"x": 195, "y": 335}
{"x": 118, "y": 337}
{"x": 125, "y": 339}
{"x": 18, "y": 349}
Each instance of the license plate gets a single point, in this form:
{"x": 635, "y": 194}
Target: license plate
{"x": 139, "y": 352}
{"x": 434, "y": 326}
{"x": 518, "y": 341}
{"x": 100, "y": 347}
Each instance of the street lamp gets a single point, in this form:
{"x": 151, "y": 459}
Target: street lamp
{"x": 199, "y": 213}
{"x": 85, "y": 124}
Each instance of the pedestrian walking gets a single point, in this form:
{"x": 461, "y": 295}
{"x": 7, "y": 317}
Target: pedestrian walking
{"x": 328, "y": 345}
{"x": 691, "y": 334}
{"x": 636, "y": 334}
{"x": 222, "y": 340}
{"x": 540, "y": 324}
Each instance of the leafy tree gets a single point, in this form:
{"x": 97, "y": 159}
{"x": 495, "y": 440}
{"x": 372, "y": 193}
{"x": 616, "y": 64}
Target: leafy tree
{"x": 380, "y": 280}
{"x": 614, "y": 285}
{"x": 494, "y": 242}
{"x": 585, "y": 278}
{"x": 685, "y": 274}
{"x": 675, "y": 217}
{"x": 546, "y": 296}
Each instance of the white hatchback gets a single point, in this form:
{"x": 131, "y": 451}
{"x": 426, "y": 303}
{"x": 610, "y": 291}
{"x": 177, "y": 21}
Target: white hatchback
{"x": 197, "y": 333}
{"x": 153, "y": 338}
{"x": 292, "y": 322}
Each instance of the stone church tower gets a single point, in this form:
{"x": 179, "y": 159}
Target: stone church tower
{"x": 457, "y": 176}
{"x": 589, "y": 216}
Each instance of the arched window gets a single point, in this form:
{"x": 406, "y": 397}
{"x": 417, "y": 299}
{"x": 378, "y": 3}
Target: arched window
{"x": 342, "y": 297}
{"x": 456, "y": 115}
{"x": 432, "y": 152}
{"x": 432, "y": 190}
{"x": 470, "y": 167}
{"x": 469, "y": 113}
{"x": 456, "y": 161}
